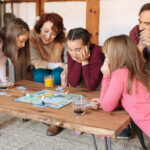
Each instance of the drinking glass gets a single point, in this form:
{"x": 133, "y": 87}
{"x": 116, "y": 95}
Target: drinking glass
{"x": 48, "y": 80}
{"x": 79, "y": 106}
{"x": 4, "y": 83}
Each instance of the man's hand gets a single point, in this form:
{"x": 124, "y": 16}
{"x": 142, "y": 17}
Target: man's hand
{"x": 144, "y": 40}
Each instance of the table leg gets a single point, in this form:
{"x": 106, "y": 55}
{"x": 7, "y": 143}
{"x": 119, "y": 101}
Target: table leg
{"x": 107, "y": 143}
{"x": 94, "y": 142}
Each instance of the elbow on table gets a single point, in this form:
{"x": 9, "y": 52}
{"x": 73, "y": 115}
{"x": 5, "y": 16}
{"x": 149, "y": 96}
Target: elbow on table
{"x": 91, "y": 88}
{"x": 106, "y": 108}
{"x": 73, "y": 84}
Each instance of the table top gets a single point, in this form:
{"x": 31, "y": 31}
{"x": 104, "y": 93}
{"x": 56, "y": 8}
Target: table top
{"x": 94, "y": 121}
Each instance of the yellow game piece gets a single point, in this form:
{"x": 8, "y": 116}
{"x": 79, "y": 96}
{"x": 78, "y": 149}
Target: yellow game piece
{"x": 67, "y": 92}
{"x": 48, "y": 94}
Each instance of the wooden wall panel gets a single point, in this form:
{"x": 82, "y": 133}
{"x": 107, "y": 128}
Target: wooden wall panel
{"x": 92, "y": 19}
{"x": 18, "y": 1}
{"x": 39, "y": 7}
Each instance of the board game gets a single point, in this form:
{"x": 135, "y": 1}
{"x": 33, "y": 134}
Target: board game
{"x": 48, "y": 98}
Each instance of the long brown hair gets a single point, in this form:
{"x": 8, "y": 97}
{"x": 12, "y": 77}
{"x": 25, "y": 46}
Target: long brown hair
{"x": 58, "y": 25}
{"x": 16, "y": 28}
{"x": 123, "y": 52}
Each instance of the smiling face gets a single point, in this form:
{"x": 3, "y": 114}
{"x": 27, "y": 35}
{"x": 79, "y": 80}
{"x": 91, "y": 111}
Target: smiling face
{"x": 144, "y": 20}
{"x": 75, "y": 48}
{"x": 47, "y": 35}
{"x": 21, "y": 40}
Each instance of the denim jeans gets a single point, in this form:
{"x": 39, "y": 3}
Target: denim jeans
{"x": 38, "y": 75}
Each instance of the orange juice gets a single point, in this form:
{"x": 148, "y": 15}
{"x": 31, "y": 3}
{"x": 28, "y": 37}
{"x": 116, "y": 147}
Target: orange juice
{"x": 48, "y": 82}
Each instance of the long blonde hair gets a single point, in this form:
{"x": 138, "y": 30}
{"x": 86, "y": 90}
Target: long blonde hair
{"x": 16, "y": 28}
{"x": 123, "y": 52}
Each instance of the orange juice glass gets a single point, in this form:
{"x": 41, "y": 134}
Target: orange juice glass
{"x": 48, "y": 80}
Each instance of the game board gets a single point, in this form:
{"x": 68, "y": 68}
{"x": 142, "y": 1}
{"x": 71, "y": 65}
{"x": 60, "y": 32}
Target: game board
{"x": 48, "y": 98}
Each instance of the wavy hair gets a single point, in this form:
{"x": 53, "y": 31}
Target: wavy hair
{"x": 58, "y": 25}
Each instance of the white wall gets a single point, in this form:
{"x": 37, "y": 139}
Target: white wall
{"x": 26, "y": 11}
{"x": 116, "y": 16}
{"x": 73, "y": 13}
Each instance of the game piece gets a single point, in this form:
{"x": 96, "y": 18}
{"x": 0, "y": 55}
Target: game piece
{"x": 3, "y": 93}
{"x": 88, "y": 105}
{"x": 21, "y": 88}
{"x": 67, "y": 92}
{"x": 60, "y": 88}
{"x": 8, "y": 95}
{"x": 28, "y": 95}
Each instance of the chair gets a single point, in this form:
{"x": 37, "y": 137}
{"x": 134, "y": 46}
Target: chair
{"x": 139, "y": 134}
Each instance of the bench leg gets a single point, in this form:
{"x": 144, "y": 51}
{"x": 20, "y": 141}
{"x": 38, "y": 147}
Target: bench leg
{"x": 140, "y": 135}
{"x": 94, "y": 142}
{"x": 107, "y": 143}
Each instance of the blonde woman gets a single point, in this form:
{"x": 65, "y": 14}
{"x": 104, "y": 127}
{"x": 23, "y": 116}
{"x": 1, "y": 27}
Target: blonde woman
{"x": 15, "y": 47}
{"x": 125, "y": 80}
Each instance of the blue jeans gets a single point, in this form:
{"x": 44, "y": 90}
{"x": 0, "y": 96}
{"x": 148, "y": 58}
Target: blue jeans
{"x": 149, "y": 70}
{"x": 38, "y": 75}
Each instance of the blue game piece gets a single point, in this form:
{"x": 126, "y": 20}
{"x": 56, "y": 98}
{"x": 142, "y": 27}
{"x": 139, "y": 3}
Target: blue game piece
{"x": 28, "y": 95}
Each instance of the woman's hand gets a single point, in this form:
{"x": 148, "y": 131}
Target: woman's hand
{"x": 10, "y": 84}
{"x": 95, "y": 103}
{"x": 62, "y": 65}
{"x": 105, "y": 67}
{"x": 64, "y": 77}
{"x": 85, "y": 54}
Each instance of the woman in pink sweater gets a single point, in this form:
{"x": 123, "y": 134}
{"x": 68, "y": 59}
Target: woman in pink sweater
{"x": 125, "y": 79}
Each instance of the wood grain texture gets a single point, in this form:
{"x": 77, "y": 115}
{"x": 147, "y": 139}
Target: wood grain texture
{"x": 92, "y": 19}
{"x": 94, "y": 122}
{"x": 39, "y": 7}
{"x": 18, "y": 1}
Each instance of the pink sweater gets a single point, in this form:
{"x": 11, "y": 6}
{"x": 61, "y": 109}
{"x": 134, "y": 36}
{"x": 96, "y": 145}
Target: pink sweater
{"x": 137, "y": 104}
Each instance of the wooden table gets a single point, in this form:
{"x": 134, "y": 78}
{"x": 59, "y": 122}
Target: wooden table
{"x": 94, "y": 122}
